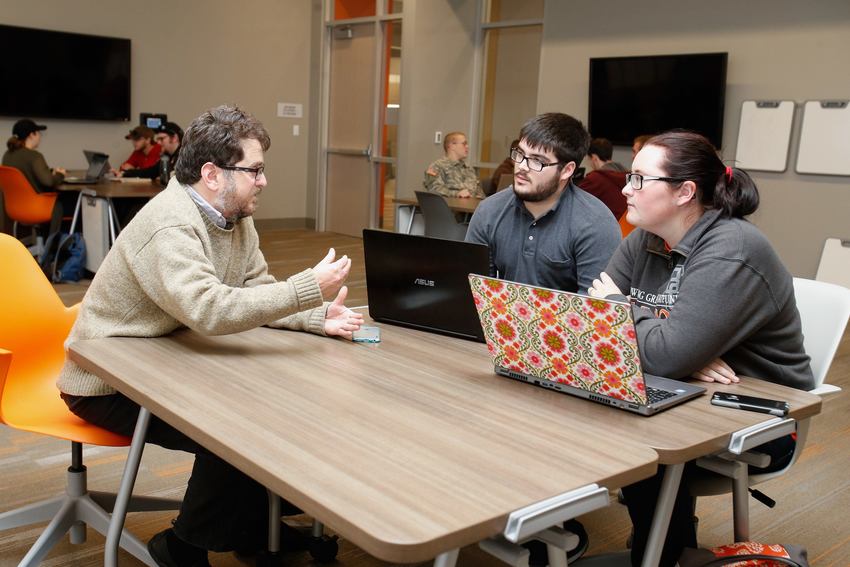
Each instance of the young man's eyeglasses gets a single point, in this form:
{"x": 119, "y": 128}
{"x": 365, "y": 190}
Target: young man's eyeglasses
{"x": 534, "y": 164}
{"x": 257, "y": 171}
{"x": 636, "y": 180}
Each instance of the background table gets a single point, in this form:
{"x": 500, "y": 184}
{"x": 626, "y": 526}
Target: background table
{"x": 100, "y": 221}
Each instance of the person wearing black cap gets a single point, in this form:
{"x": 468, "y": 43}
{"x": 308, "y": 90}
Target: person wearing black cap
{"x": 145, "y": 149}
{"x": 168, "y": 136}
{"x": 22, "y": 154}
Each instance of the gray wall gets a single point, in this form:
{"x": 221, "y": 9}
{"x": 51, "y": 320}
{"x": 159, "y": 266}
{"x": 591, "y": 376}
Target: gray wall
{"x": 436, "y": 83}
{"x": 778, "y": 49}
{"x": 186, "y": 57}
{"x": 200, "y": 54}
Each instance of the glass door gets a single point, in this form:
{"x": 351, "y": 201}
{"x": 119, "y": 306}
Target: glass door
{"x": 362, "y": 81}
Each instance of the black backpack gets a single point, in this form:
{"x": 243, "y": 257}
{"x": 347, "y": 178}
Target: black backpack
{"x": 64, "y": 257}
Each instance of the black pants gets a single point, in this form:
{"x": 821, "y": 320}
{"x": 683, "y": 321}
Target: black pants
{"x": 223, "y": 509}
{"x": 642, "y": 497}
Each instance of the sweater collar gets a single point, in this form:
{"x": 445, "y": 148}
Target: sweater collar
{"x": 211, "y": 213}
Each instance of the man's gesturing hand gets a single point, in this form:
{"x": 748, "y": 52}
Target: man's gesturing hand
{"x": 331, "y": 274}
{"x": 340, "y": 321}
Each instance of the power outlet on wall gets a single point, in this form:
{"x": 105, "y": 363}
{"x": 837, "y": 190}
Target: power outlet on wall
{"x": 438, "y": 137}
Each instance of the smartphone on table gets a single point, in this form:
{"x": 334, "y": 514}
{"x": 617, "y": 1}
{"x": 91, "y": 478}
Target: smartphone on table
{"x": 751, "y": 403}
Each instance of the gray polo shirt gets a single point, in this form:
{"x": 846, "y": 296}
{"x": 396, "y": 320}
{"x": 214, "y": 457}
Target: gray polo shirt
{"x": 564, "y": 249}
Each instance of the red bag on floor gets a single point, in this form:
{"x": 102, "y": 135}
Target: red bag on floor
{"x": 746, "y": 554}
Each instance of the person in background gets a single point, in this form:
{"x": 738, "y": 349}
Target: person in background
{"x": 505, "y": 168}
{"x": 638, "y": 143}
{"x": 191, "y": 258}
{"x": 22, "y": 154}
{"x": 606, "y": 180}
{"x": 451, "y": 176}
{"x": 145, "y": 150}
{"x": 169, "y": 136}
{"x": 711, "y": 298}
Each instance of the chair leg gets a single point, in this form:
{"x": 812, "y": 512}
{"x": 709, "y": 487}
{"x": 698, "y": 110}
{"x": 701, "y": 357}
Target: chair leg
{"x": 741, "y": 502}
{"x": 106, "y": 500}
{"x": 54, "y": 531}
{"x": 98, "y": 519}
{"x": 32, "y": 514}
{"x": 76, "y": 509}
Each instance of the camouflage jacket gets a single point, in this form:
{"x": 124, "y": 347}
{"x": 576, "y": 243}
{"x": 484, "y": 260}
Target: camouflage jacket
{"x": 449, "y": 177}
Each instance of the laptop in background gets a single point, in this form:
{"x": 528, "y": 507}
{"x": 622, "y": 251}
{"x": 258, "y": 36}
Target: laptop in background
{"x": 98, "y": 167}
{"x": 571, "y": 343}
{"x": 421, "y": 282}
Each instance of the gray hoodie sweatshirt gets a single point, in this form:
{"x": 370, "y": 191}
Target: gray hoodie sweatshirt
{"x": 721, "y": 292}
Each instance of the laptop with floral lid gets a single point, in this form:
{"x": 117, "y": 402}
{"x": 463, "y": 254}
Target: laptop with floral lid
{"x": 571, "y": 343}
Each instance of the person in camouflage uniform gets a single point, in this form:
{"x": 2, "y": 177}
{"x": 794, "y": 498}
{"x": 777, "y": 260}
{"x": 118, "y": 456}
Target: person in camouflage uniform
{"x": 451, "y": 176}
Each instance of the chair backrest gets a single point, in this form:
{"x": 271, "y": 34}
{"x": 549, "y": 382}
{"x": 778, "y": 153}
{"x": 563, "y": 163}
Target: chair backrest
{"x": 35, "y": 322}
{"x": 834, "y": 266}
{"x": 440, "y": 221}
{"x": 824, "y": 311}
{"x": 22, "y": 202}
{"x": 505, "y": 181}
{"x": 33, "y": 329}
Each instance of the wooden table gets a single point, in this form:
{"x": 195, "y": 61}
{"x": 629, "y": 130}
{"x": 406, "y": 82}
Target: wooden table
{"x": 410, "y": 448}
{"x": 410, "y": 206}
{"x": 413, "y": 446}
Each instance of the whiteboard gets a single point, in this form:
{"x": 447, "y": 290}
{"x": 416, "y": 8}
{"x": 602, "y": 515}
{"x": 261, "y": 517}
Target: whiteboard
{"x": 825, "y": 138}
{"x": 764, "y": 135}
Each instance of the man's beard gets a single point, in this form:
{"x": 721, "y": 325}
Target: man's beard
{"x": 229, "y": 206}
{"x": 540, "y": 193}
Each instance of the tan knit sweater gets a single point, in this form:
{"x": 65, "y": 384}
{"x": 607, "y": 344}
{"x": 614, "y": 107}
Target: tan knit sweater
{"x": 171, "y": 267}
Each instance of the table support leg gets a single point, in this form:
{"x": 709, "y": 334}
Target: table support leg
{"x": 663, "y": 510}
{"x": 410, "y": 220}
{"x": 131, "y": 469}
{"x": 447, "y": 559}
{"x": 114, "y": 225}
{"x": 274, "y": 522}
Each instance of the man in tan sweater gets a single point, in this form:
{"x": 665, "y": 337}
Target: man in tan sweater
{"x": 191, "y": 258}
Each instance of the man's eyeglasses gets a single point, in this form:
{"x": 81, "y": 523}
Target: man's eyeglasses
{"x": 533, "y": 164}
{"x": 257, "y": 171}
{"x": 636, "y": 180}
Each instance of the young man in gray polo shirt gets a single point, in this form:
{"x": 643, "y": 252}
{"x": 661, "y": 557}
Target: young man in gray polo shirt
{"x": 543, "y": 230}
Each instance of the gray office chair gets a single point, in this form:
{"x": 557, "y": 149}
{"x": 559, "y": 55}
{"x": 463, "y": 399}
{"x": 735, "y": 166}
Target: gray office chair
{"x": 824, "y": 311}
{"x": 440, "y": 221}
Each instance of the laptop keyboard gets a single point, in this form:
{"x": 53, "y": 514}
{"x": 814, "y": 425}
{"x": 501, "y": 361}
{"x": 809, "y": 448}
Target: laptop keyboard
{"x": 655, "y": 395}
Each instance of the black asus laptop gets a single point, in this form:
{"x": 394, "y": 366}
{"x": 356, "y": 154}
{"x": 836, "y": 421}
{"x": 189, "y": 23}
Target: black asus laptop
{"x": 98, "y": 167}
{"x": 422, "y": 282}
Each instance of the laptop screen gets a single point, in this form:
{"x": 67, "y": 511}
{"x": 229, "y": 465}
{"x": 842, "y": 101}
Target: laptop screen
{"x": 98, "y": 164}
{"x": 422, "y": 282}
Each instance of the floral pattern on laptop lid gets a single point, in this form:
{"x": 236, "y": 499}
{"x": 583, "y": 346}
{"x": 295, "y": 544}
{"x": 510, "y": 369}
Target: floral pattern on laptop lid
{"x": 576, "y": 340}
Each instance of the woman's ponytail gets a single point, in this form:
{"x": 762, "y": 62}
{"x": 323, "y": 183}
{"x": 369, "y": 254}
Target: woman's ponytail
{"x": 690, "y": 156}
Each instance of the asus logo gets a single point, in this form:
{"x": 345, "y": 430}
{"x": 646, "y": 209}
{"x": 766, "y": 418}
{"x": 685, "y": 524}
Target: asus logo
{"x": 423, "y": 281}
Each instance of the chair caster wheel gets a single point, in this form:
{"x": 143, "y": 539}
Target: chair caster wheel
{"x": 323, "y": 549}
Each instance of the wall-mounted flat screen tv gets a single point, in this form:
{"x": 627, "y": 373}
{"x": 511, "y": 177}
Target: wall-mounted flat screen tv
{"x": 50, "y": 74}
{"x": 632, "y": 96}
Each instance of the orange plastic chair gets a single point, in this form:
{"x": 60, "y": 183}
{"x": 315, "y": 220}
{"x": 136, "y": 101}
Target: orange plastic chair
{"x": 23, "y": 204}
{"x": 625, "y": 226}
{"x": 34, "y": 324}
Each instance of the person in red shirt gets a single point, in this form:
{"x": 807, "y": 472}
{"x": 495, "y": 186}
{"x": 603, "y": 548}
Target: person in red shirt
{"x": 608, "y": 177}
{"x": 145, "y": 150}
